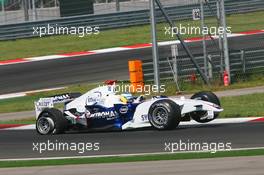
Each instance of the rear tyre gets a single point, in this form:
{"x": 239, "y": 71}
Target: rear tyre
{"x": 164, "y": 115}
{"x": 205, "y": 96}
{"x": 51, "y": 121}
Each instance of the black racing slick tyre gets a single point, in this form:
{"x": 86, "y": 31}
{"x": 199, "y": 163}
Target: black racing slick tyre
{"x": 51, "y": 121}
{"x": 205, "y": 96}
{"x": 164, "y": 115}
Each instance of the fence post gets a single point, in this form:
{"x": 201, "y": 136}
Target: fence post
{"x": 117, "y": 6}
{"x": 204, "y": 39}
{"x": 243, "y": 60}
{"x": 225, "y": 41}
{"x": 220, "y": 39}
{"x": 3, "y": 11}
{"x": 25, "y": 7}
{"x": 34, "y": 10}
{"x": 174, "y": 51}
{"x": 210, "y": 67}
{"x": 155, "y": 52}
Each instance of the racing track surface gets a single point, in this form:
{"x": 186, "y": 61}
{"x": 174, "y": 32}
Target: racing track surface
{"x": 242, "y": 166}
{"x": 19, "y": 144}
{"x": 93, "y": 68}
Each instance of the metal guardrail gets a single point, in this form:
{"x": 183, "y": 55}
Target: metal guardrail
{"x": 241, "y": 62}
{"x": 123, "y": 19}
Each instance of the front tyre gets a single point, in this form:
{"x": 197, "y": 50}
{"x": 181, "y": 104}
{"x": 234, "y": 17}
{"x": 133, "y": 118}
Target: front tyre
{"x": 164, "y": 115}
{"x": 51, "y": 121}
{"x": 205, "y": 96}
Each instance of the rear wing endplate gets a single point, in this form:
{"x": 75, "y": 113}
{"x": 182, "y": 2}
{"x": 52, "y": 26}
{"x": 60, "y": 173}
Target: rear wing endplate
{"x": 49, "y": 102}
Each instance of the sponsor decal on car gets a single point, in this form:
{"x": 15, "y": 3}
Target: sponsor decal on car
{"x": 91, "y": 100}
{"x": 60, "y": 98}
{"x": 43, "y": 103}
{"x": 144, "y": 118}
{"x": 108, "y": 115}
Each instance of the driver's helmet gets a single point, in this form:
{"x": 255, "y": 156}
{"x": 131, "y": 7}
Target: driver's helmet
{"x": 126, "y": 97}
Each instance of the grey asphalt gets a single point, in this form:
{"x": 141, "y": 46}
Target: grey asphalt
{"x": 19, "y": 144}
{"x": 217, "y": 166}
{"x": 233, "y": 92}
{"x": 94, "y": 68}
{"x": 16, "y": 115}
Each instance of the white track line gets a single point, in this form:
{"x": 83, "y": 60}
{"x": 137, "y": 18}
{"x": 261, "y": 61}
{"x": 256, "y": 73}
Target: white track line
{"x": 109, "y": 50}
{"x": 24, "y": 127}
{"x": 50, "y": 57}
{"x": 13, "y": 95}
{"x": 124, "y": 155}
{"x": 116, "y": 49}
{"x": 22, "y": 94}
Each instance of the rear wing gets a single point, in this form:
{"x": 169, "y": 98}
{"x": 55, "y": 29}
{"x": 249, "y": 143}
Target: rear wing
{"x": 49, "y": 102}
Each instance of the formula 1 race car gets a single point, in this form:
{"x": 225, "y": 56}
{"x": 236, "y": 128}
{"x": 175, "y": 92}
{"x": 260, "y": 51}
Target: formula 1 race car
{"x": 102, "y": 108}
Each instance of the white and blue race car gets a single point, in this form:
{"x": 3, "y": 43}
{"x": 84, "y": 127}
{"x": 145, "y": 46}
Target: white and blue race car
{"x": 102, "y": 109}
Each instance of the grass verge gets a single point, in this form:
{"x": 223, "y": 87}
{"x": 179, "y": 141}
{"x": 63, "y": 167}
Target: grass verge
{"x": 122, "y": 159}
{"x": 24, "y": 121}
{"x": 243, "y": 106}
{"x": 125, "y": 36}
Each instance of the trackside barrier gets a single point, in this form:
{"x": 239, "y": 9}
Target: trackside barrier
{"x": 136, "y": 75}
{"x": 124, "y": 19}
{"x": 242, "y": 63}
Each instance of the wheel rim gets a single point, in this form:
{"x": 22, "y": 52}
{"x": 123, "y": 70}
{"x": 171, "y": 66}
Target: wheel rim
{"x": 45, "y": 125}
{"x": 160, "y": 116}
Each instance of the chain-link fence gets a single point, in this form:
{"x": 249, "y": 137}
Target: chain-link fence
{"x": 244, "y": 65}
{"x": 13, "y": 11}
{"x": 239, "y": 59}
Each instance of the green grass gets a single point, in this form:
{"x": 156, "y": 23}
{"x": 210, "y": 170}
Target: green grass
{"x": 216, "y": 85}
{"x": 27, "y": 103}
{"x": 111, "y": 38}
{"x": 173, "y": 156}
{"x": 243, "y": 106}
{"x": 29, "y": 120}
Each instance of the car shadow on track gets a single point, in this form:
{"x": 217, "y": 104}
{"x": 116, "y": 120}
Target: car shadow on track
{"x": 184, "y": 127}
